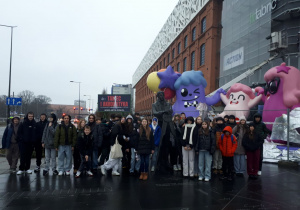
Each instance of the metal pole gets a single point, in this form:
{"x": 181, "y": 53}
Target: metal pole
{"x": 288, "y": 134}
{"x": 9, "y": 85}
{"x": 79, "y": 99}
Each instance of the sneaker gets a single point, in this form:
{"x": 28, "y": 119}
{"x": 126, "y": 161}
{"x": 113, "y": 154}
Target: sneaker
{"x": 77, "y": 174}
{"x": 175, "y": 168}
{"x": 60, "y": 173}
{"x": 103, "y": 171}
{"x": 29, "y": 171}
{"x": 90, "y": 173}
{"x": 115, "y": 173}
{"x": 259, "y": 173}
{"x": 179, "y": 167}
{"x": 215, "y": 171}
{"x": 200, "y": 178}
{"x": 37, "y": 169}
{"x": 45, "y": 172}
{"x": 68, "y": 173}
{"x": 207, "y": 180}
{"x": 55, "y": 172}
{"x": 20, "y": 172}
{"x": 152, "y": 168}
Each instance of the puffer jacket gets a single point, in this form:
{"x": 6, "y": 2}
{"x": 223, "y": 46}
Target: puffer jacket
{"x": 260, "y": 127}
{"x": 227, "y": 144}
{"x": 60, "y": 135}
{"x": 27, "y": 132}
{"x": 252, "y": 144}
{"x": 85, "y": 144}
{"x": 206, "y": 142}
{"x": 144, "y": 145}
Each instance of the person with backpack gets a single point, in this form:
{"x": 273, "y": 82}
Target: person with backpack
{"x": 252, "y": 141}
{"x": 64, "y": 142}
{"x": 48, "y": 144}
{"x": 205, "y": 147}
{"x": 227, "y": 145}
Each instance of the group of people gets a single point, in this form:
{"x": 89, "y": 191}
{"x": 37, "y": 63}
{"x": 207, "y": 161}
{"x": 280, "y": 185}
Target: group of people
{"x": 196, "y": 147}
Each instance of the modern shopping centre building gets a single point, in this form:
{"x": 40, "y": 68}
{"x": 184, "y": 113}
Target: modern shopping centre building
{"x": 223, "y": 39}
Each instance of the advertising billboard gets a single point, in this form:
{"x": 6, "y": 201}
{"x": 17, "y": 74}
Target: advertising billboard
{"x": 114, "y": 103}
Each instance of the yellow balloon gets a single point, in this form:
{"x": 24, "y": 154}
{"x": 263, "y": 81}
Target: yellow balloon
{"x": 153, "y": 82}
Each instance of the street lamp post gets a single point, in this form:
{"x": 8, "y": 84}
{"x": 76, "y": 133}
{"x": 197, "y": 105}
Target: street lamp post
{"x": 9, "y": 85}
{"x": 79, "y": 96}
{"x": 89, "y": 103}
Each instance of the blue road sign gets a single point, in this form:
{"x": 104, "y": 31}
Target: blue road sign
{"x": 14, "y": 101}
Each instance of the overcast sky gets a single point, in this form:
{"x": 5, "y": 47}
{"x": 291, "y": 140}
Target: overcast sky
{"x": 96, "y": 42}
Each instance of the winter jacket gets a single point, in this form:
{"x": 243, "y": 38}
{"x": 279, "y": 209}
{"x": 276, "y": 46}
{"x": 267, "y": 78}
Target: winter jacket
{"x": 261, "y": 127}
{"x": 252, "y": 144}
{"x": 117, "y": 132}
{"x": 206, "y": 142}
{"x": 232, "y": 125}
{"x": 85, "y": 144}
{"x": 157, "y": 134}
{"x": 60, "y": 135}
{"x": 40, "y": 129}
{"x": 106, "y": 135}
{"x": 27, "y": 132}
{"x": 7, "y": 135}
{"x": 186, "y": 142}
{"x": 96, "y": 130}
{"x": 144, "y": 145}
{"x": 227, "y": 144}
{"x": 218, "y": 131}
{"x": 240, "y": 150}
{"x": 48, "y": 135}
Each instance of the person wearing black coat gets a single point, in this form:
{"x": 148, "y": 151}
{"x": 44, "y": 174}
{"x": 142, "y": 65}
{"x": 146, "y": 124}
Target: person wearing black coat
{"x": 38, "y": 144}
{"x": 27, "y": 136}
{"x": 145, "y": 147}
{"x": 85, "y": 145}
{"x": 10, "y": 143}
{"x": 252, "y": 141}
{"x": 105, "y": 147}
{"x": 205, "y": 147}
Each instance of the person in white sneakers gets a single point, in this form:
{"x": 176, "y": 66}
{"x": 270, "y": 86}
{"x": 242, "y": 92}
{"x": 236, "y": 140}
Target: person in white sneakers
{"x": 85, "y": 146}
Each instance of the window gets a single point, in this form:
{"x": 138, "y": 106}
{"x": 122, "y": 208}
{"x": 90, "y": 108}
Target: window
{"x": 184, "y": 64}
{"x": 193, "y": 61}
{"x": 173, "y": 53}
{"x": 194, "y": 34}
{"x": 203, "y": 25}
{"x": 185, "y": 41}
{"x": 179, "y": 47}
{"x": 202, "y": 55}
{"x": 160, "y": 65}
{"x": 178, "y": 66}
{"x": 168, "y": 58}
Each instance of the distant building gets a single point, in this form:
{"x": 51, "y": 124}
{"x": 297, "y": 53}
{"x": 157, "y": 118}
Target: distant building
{"x": 118, "y": 89}
{"x": 60, "y": 109}
{"x": 82, "y": 103}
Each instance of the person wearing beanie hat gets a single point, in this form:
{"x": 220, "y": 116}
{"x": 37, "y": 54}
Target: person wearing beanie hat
{"x": 239, "y": 159}
{"x": 156, "y": 129}
{"x": 231, "y": 121}
{"x": 226, "y": 118}
{"x": 10, "y": 143}
{"x": 48, "y": 144}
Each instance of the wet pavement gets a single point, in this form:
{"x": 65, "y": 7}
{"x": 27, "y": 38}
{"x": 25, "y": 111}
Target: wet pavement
{"x": 277, "y": 188}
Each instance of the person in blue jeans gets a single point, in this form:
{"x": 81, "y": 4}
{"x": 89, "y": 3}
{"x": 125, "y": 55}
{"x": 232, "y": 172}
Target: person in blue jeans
{"x": 205, "y": 147}
{"x": 145, "y": 147}
{"x": 156, "y": 129}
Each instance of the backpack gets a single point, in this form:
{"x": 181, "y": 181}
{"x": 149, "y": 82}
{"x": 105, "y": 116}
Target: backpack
{"x": 232, "y": 139}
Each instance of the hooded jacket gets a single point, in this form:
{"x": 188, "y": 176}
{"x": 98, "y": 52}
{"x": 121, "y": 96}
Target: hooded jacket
{"x": 228, "y": 144}
{"x": 218, "y": 130}
{"x": 106, "y": 135}
{"x": 156, "y": 132}
{"x": 8, "y": 134}
{"x": 60, "y": 135}
{"x": 206, "y": 142}
{"x": 27, "y": 132}
{"x": 97, "y": 133}
{"x": 252, "y": 144}
{"x": 40, "y": 129}
{"x": 49, "y": 134}
{"x": 260, "y": 127}
{"x": 85, "y": 144}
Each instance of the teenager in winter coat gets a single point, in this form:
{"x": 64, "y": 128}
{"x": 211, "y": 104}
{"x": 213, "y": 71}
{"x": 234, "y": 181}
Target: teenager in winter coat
{"x": 156, "y": 129}
{"x": 231, "y": 121}
{"x": 48, "y": 144}
{"x": 227, "y": 145}
{"x": 85, "y": 146}
{"x": 217, "y": 156}
{"x": 10, "y": 143}
{"x": 105, "y": 146}
{"x": 76, "y": 153}
{"x": 239, "y": 154}
{"x": 262, "y": 130}
{"x": 176, "y": 149}
{"x": 27, "y": 136}
{"x": 198, "y": 123}
{"x": 145, "y": 147}
{"x": 188, "y": 142}
{"x": 38, "y": 144}
{"x": 205, "y": 147}
{"x": 252, "y": 141}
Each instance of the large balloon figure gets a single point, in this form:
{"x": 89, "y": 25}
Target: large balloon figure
{"x": 239, "y": 100}
{"x": 153, "y": 82}
{"x": 281, "y": 92}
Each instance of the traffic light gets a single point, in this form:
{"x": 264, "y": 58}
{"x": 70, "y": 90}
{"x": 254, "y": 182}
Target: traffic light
{"x": 64, "y": 114}
{"x": 89, "y": 109}
{"x": 81, "y": 108}
{"x": 74, "y": 108}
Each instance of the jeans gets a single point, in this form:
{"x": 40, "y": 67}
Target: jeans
{"x": 134, "y": 164}
{"x": 144, "y": 163}
{"x": 205, "y": 159}
{"x": 196, "y": 164}
{"x": 239, "y": 163}
{"x": 86, "y": 164}
{"x": 50, "y": 154}
{"x": 95, "y": 159}
{"x": 64, "y": 158}
{"x": 154, "y": 157}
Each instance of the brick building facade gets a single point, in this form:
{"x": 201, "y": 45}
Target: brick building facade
{"x": 197, "y": 47}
